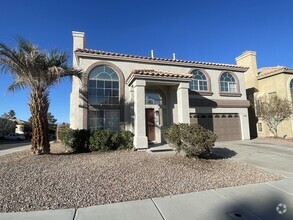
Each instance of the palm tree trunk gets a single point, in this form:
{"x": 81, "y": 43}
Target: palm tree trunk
{"x": 39, "y": 104}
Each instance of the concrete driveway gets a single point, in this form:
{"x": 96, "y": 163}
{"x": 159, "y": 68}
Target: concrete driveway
{"x": 276, "y": 158}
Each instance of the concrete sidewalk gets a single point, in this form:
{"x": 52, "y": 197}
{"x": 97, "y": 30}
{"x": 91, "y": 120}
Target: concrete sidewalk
{"x": 267, "y": 201}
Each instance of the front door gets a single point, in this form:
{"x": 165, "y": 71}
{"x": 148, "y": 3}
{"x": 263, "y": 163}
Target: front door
{"x": 150, "y": 124}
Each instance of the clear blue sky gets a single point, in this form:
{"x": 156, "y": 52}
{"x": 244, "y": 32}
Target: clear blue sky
{"x": 206, "y": 30}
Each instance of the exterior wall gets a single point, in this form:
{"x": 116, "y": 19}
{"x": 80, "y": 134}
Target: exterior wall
{"x": 19, "y": 129}
{"x": 248, "y": 59}
{"x": 279, "y": 84}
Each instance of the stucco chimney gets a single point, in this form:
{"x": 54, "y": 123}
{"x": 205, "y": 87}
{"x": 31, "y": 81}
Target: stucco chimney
{"x": 248, "y": 59}
{"x": 78, "y": 40}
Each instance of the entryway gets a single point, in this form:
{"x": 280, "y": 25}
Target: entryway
{"x": 150, "y": 124}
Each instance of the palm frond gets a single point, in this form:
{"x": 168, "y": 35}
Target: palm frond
{"x": 15, "y": 86}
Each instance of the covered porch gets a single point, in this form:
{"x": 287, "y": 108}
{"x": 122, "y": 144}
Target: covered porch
{"x": 160, "y": 98}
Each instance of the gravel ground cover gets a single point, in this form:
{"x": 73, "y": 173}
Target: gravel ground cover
{"x": 29, "y": 182}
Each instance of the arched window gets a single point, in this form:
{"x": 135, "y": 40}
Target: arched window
{"x": 291, "y": 89}
{"x": 103, "y": 86}
{"x": 228, "y": 83}
{"x": 154, "y": 96}
{"x": 103, "y": 96}
{"x": 199, "y": 81}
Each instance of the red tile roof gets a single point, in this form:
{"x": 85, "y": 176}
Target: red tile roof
{"x": 112, "y": 54}
{"x": 269, "y": 71}
{"x": 150, "y": 72}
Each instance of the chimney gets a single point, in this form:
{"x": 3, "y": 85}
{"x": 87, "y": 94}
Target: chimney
{"x": 248, "y": 59}
{"x": 78, "y": 40}
{"x": 174, "y": 56}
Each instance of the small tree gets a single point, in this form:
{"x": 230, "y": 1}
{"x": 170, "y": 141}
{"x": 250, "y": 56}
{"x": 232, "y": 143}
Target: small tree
{"x": 273, "y": 110}
{"x": 11, "y": 114}
{"x": 6, "y": 126}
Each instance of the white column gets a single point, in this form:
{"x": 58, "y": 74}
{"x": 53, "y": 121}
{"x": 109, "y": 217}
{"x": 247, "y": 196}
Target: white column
{"x": 183, "y": 103}
{"x": 140, "y": 139}
{"x": 244, "y": 124}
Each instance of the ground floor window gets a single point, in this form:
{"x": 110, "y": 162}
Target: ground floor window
{"x": 104, "y": 119}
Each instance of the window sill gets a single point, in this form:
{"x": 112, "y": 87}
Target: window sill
{"x": 230, "y": 94}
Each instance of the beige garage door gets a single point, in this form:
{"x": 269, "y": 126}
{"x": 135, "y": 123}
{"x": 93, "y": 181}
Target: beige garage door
{"x": 226, "y": 126}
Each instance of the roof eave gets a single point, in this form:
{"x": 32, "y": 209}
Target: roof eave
{"x": 160, "y": 62}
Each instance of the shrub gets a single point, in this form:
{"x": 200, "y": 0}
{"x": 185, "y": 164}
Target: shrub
{"x": 105, "y": 140}
{"x": 125, "y": 139}
{"x": 192, "y": 140}
{"x": 102, "y": 140}
{"x": 78, "y": 140}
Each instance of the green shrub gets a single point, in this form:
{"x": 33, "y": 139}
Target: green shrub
{"x": 78, "y": 140}
{"x": 192, "y": 140}
{"x": 125, "y": 139}
{"x": 102, "y": 140}
{"x": 105, "y": 140}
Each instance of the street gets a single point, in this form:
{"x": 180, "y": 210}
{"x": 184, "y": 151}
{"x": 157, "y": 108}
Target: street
{"x": 10, "y": 144}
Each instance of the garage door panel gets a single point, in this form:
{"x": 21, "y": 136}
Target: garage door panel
{"x": 226, "y": 126}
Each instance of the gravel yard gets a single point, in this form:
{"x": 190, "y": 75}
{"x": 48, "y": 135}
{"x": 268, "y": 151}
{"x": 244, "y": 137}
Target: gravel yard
{"x": 29, "y": 182}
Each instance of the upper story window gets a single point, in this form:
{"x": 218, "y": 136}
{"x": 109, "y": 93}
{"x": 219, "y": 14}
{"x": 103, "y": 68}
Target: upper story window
{"x": 228, "y": 83}
{"x": 199, "y": 81}
{"x": 103, "y": 87}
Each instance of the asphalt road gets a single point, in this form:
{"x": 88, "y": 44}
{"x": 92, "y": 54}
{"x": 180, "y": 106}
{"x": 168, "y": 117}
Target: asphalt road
{"x": 4, "y": 145}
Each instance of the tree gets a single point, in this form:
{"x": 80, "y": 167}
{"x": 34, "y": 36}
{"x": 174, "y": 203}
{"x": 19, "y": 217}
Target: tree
{"x": 273, "y": 110}
{"x": 6, "y": 126}
{"x": 11, "y": 114}
{"x": 5, "y": 115}
{"x": 51, "y": 119}
{"x": 38, "y": 70}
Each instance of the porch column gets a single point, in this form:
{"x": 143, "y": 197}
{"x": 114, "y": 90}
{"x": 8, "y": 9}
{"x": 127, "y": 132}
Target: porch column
{"x": 140, "y": 139}
{"x": 183, "y": 103}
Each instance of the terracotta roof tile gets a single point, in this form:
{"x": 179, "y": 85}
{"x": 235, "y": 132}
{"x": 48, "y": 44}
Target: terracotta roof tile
{"x": 99, "y": 52}
{"x": 151, "y": 72}
{"x": 268, "y": 71}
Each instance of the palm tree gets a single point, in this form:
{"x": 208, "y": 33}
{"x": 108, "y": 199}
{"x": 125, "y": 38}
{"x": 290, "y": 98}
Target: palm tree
{"x": 37, "y": 70}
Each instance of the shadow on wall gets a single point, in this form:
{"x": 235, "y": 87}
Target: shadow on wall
{"x": 251, "y": 112}
{"x": 262, "y": 205}
{"x": 197, "y": 101}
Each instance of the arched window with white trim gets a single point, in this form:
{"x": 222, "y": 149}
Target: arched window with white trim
{"x": 103, "y": 97}
{"x": 199, "y": 81}
{"x": 228, "y": 83}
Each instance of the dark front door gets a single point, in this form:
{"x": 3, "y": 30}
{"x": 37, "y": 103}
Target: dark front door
{"x": 150, "y": 123}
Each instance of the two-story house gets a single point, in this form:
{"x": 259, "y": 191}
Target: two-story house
{"x": 145, "y": 95}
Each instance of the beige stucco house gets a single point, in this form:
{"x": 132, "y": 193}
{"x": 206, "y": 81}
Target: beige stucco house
{"x": 277, "y": 80}
{"x": 145, "y": 95}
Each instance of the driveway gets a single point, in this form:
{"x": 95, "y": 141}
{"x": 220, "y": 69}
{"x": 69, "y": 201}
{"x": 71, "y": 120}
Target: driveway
{"x": 273, "y": 157}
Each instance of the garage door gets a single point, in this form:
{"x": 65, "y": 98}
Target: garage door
{"x": 226, "y": 126}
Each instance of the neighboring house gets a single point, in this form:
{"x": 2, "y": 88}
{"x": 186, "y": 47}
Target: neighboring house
{"x": 145, "y": 95}
{"x": 19, "y": 126}
{"x": 277, "y": 80}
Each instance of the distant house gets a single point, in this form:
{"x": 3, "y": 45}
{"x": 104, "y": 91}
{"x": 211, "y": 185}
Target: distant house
{"x": 145, "y": 95}
{"x": 19, "y": 126}
{"x": 265, "y": 82}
